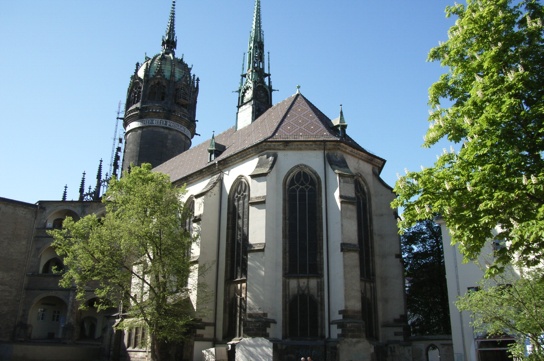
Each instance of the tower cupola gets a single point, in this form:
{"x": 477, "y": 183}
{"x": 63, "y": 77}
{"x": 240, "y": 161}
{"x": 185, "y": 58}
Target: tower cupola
{"x": 255, "y": 91}
{"x": 160, "y": 110}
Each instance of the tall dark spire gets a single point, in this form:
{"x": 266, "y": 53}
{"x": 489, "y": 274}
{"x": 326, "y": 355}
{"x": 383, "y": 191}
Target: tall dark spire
{"x": 255, "y": 93}
{"x": 169, "y": 40}
{"x": 256, "y": 41}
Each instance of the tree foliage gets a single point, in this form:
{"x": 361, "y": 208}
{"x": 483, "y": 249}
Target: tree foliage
{"x": 137, "y": 254}
{"x": 490, "y": 104}
{"x": 426, "y": 292}
{"x": 512, "y": 306}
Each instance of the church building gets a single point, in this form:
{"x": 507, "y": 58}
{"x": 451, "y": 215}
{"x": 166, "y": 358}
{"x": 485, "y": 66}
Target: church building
{"x": 293, "y": 223}
{"x": 293, "y": 220}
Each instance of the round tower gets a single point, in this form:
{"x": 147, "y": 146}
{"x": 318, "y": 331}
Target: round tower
{"x": 160, "y": 110}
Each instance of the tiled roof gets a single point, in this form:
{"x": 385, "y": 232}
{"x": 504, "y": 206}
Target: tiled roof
{"x": 295, "y": 118}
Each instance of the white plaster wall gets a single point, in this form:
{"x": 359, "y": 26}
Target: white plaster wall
{"x": 459, "y": 277}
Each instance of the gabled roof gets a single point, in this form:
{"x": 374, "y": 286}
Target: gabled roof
{"x": 293, "y": 119}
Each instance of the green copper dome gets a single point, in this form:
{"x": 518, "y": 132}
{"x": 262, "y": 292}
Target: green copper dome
{"x": 164, "y": 65}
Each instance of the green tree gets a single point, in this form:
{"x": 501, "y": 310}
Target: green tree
{"x": 513, "y": 306}
{"x": 490, "y": 107}
{"x": 137, "y": 254}
{"x": 426, "y": 292}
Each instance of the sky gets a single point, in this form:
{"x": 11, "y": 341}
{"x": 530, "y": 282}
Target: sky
{"x": 65, "y": 66}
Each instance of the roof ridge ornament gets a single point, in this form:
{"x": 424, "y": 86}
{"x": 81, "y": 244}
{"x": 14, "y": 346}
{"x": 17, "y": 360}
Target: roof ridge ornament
{"x": 169, "y": 40}
{"x": 340, "y": 124}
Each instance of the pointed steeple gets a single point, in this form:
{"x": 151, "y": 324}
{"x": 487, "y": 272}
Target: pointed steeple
{"x": 340, "y": 124}
{"x": 255, "y": 92}
{"x": 169, "y": 40}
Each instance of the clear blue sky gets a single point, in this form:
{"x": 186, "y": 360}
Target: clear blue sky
{"x": 65, "y": 65}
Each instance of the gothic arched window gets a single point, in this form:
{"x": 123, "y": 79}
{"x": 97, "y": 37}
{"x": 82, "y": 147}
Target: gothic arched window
{"x": 303, "y": 286}
{"x": 366, "y": 260}
{"x": 302, "y": 223}
{"x": 236, "y": 259}
{"x": 363, "y": 233}
{"x": 238, "y": 224}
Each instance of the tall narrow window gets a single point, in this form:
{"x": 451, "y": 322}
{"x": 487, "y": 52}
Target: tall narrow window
{"x": 238, "y": 230}
{"x": 302, "y": 224}
{"x": 363, "y": 233}
{"x": 303, "y": 310}
{"x": 366, "y": 260}
{"x": 236, "y": 262}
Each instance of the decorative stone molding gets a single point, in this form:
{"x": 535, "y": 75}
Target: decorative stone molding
{"x": 339, "y": 164}
{"x": 264, "y": 165}
{"x": 255, "y": 324}
{"x": 257, "y": 200}
{"x": 256, "y": 247}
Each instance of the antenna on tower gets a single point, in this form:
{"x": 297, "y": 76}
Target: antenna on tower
{"x": 116, "y": 146}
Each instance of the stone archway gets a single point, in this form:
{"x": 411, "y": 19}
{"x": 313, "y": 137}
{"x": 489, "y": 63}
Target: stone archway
{"x": 47, "y": 318}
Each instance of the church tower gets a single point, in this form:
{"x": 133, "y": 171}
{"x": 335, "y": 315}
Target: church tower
{"x": 255, "y": 92}
{"x": 160, "y": 110}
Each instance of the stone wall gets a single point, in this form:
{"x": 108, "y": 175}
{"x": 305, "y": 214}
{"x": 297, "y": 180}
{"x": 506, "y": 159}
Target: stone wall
{"x": 16, "y": 232}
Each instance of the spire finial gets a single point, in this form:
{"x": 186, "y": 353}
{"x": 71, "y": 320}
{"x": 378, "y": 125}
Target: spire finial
{"x": 82, "y": 187}
{"x": 257, "y": 29}
{"x": 255, "y": 53}
{"x": 211, "y": 147}
{"x": 298, "y": 89}
{"x": 96, "y": 194}
{"x": 169, "y": 40}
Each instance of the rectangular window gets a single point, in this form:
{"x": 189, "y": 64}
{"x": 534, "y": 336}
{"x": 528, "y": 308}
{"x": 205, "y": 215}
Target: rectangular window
{"x": 56, "y": 316}
{"x": 41, "y": 314}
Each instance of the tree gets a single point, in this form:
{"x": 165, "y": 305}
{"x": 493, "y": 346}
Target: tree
{"x": 510, "y": 305}
{"x": 490, "y": 106}
{"x": 426, "y": 292}
{"x": 137, "y": 254}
